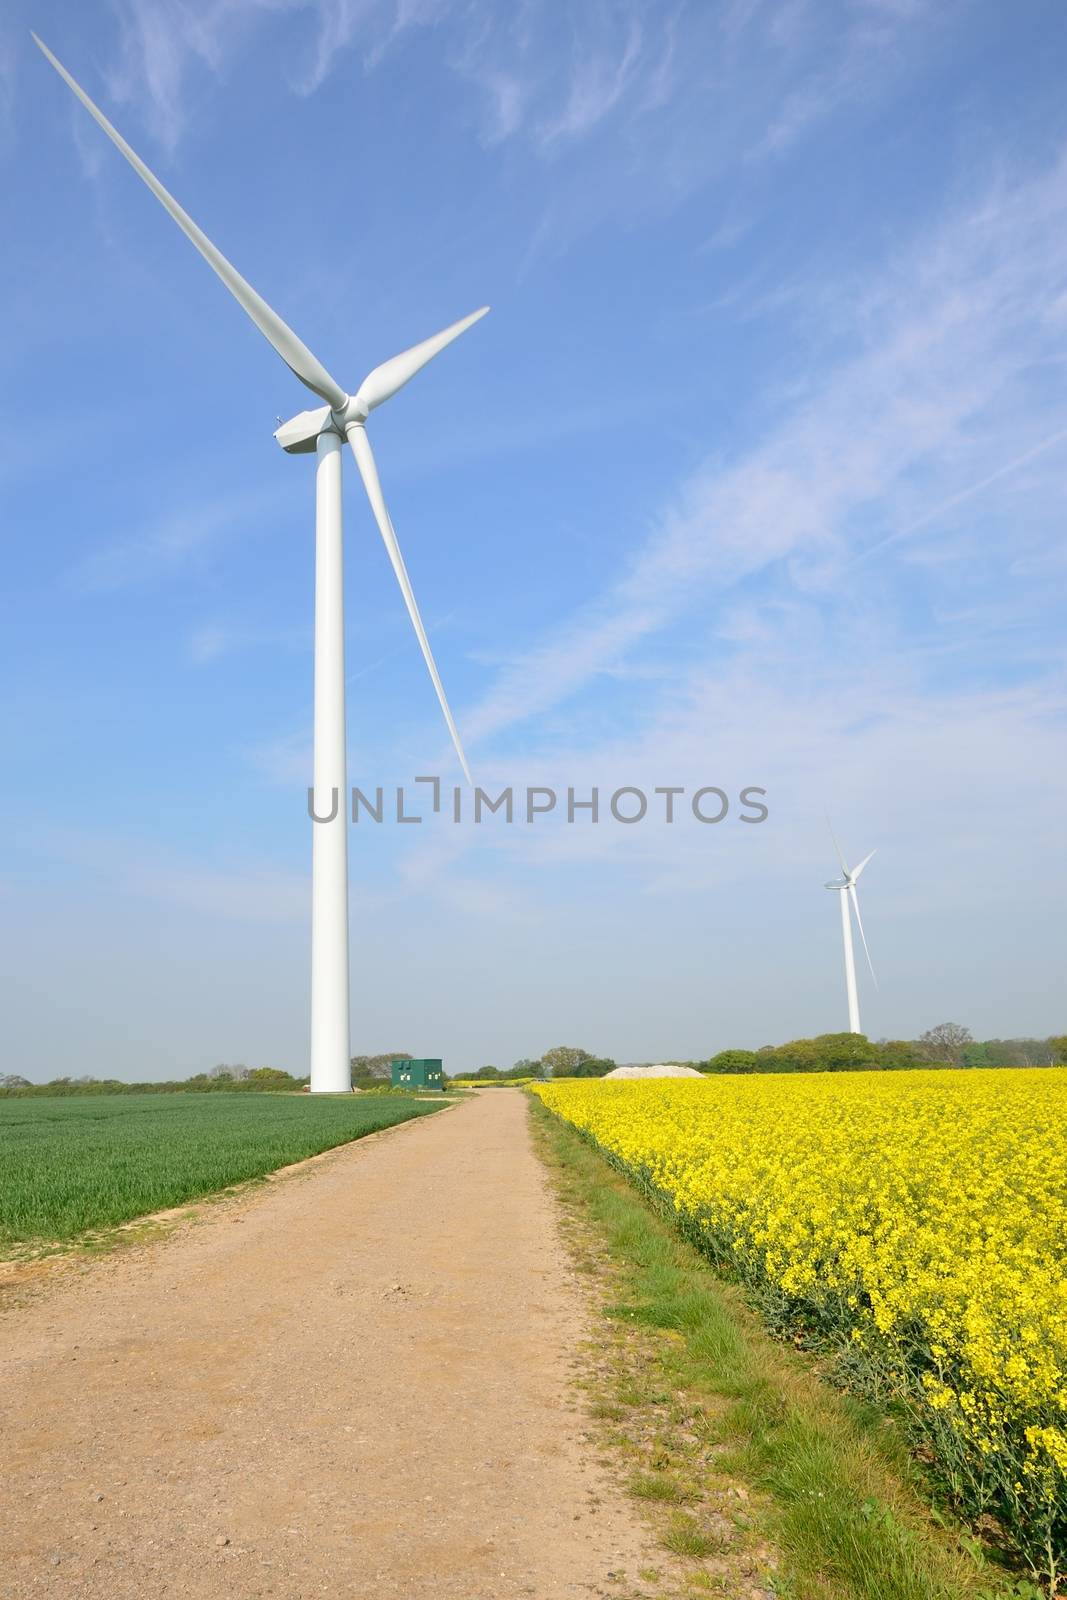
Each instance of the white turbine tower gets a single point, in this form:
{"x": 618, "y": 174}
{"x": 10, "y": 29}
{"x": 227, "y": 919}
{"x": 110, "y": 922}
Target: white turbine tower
{"x": 322, "y": 431}
{"x": 846, "y": 889}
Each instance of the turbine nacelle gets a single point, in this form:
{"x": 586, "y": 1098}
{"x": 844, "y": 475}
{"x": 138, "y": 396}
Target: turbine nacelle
{"x": 851, "y": 874}
{"x": 300, "y": 434}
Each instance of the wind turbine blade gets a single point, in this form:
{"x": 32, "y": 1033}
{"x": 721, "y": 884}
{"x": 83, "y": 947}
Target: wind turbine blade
{"x": 854, "y": 897}
{"x": 368, "y": 471}
{"x": 837, "y": 848}
{"x": 292, "y": 350}
{"x": 857, "y": 870}
{"x": 381, "y": 384}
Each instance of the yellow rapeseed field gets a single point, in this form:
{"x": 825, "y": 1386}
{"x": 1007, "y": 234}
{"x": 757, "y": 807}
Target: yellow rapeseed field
{"x": 919, "y": 1218}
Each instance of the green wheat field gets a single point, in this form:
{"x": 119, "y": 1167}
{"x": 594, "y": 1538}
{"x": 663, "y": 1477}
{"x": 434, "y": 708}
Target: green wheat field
{"x": 71, "y": 1165}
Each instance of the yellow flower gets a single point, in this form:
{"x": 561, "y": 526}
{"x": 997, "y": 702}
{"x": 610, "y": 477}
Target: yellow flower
{"x": 924, "y": 1213}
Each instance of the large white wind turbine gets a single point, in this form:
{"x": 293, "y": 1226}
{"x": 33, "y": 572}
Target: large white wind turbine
{"x": 323, "y": 431}
{"x": 846, "y": 888}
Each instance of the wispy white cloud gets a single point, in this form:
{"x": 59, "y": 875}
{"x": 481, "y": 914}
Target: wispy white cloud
{"x": 175, "y": 541}
{"x": 377, "y": 25}
{"x": 159, "y": 42}
{"x": 256, "y": 895}
{"x": 961, "y": 496}
{"x": 506, "y": 97}
{"x": 221, "y": 637}
{"x": 211, "y": 641}
{"x": 601, "y": 73}
{"x": 285, "y": 759}
{"x": 699, "y": 87}
{"x": 710, "y": 92}
{"x": 870, "y": 44}
{"x": 928, "y": 372}
{"x": 857, "y": 731}
{"x": 162, "y": 43}
{"x": 248, "y": 892}
{"x": 7, "y": 86}
{"x": 338, "y": 22}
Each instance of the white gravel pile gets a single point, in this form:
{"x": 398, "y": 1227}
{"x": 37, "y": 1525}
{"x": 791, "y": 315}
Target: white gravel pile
{"x": 666, "y": 1069}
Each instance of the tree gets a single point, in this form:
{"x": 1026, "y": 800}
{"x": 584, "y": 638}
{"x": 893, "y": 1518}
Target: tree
{"x": 561, "y": 1061}
{"x": 488, "y": 1073}
{"x": 380, "y": 1066}
{"x": 1030, "y": 1052}
{"x": 896, "y": 1054}
{"x": 827, "y": 1052}
{"x": 12, "y": 1080}
{"x": 731, "y": 1061}
{"x": 945, "y": 1042}
{"x": 593, "y": 1067}
{"x": 846, "y": 1052}
{"x": 271, "y": 1078}
{"x": 1000, "y": 1053}
{"x": 1058, "y": 1047}
{"x": 525, "y": 1068}
{"x": 797, "y": 1055}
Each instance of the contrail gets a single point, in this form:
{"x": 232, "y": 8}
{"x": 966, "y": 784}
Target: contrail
{"x": 964, "y": 494}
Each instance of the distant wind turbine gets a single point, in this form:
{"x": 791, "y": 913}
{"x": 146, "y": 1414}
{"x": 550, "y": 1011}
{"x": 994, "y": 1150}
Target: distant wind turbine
{"x": 846, "y": 889}
{"x": 322, "y": 431}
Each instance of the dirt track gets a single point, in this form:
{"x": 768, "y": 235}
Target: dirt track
{"x": 356, "y": 1383}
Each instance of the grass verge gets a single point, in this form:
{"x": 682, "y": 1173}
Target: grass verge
{"x": 734, "y": 1436}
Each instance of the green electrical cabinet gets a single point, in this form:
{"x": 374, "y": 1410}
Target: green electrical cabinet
{"x": 417, "y": 1075}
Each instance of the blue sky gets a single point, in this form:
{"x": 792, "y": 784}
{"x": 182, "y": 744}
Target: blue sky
{"x": 755, "y": 475}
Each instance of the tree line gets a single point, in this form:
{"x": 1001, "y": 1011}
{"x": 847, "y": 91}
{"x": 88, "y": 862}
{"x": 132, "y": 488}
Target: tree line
{"x": 249, "y": 1080}
{"x": 563, "y": 1061}
{"x": 949, "y": 1044}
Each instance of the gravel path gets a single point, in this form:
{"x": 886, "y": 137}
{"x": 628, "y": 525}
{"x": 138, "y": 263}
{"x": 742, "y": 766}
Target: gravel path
{"x": 355, "y": 1382}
